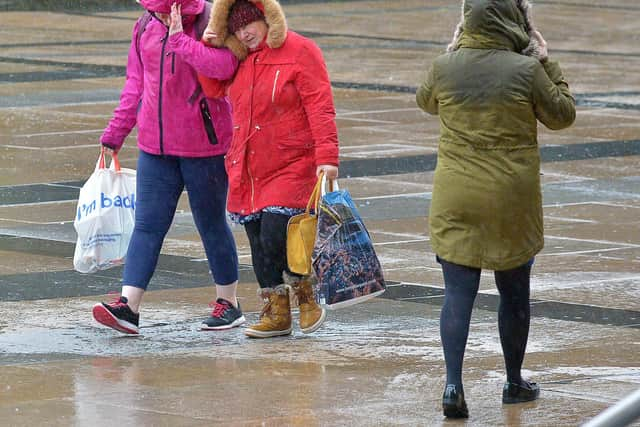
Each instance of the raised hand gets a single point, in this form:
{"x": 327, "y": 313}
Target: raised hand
{"x": 209, "y": 36}
{"x": 176, "y": 20}
{"x": 544, "y": 53}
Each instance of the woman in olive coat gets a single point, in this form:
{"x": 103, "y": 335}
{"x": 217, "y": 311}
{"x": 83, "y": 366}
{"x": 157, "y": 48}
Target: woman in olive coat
{"x": 490, "y": 89}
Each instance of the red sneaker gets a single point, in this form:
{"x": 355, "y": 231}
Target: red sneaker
{"x": 117, "y": 315}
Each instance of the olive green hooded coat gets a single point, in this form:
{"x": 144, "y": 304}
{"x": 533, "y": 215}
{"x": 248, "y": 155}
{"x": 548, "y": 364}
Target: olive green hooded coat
{"x": 490, "y": 90}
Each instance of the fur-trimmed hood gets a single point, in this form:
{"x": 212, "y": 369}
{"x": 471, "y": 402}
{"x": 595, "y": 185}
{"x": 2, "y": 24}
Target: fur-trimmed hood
{"x": 508, "y": 24}
{"x": 274, "y": 16}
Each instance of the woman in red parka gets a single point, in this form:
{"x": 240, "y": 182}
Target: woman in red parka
{"x": 182, "y": 139}
{"x": 284, "y": 135}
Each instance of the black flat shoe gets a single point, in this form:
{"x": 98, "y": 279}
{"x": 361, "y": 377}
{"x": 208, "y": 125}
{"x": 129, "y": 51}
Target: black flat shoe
{"x": 518, "y": 393}
{"x": 453, "y": 404}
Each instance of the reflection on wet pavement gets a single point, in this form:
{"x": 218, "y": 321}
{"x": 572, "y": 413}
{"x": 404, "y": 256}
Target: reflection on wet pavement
{"x": 377, "y": 365}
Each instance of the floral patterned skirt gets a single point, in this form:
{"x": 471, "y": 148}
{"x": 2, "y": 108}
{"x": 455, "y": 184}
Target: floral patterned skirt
{"x": 282, "y": 210}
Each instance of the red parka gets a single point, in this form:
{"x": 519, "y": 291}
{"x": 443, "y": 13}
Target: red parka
{"x": 283, "y": 121}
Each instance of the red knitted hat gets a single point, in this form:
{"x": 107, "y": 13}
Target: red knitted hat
{"x": 243, "y": 12}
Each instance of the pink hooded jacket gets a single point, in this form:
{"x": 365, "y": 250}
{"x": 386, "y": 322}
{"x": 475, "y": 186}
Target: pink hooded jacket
{"x": 158, "y": 95}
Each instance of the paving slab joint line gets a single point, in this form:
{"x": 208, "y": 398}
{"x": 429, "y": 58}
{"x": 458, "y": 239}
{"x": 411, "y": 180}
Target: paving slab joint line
{"x": 585, "y": 313}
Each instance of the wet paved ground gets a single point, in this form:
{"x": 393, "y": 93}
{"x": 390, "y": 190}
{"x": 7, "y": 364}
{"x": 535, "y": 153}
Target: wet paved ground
{"x": 379, "y": 363}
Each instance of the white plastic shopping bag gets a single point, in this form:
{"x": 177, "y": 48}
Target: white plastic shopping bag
{"x": 105, "y": 217}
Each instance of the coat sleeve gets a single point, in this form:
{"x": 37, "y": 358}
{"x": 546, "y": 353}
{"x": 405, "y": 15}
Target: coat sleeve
{"x": 124, "y": 116}
{"x": 216, "y": 63}
{"x": 314, "y": 87}
{"x": 554, "y": 105}
{"x": 425, "y": 95}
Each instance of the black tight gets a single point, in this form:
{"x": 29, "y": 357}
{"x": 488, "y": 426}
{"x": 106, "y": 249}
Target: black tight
{"x": 461, "y": 288}
{"x": 268, "y": 240}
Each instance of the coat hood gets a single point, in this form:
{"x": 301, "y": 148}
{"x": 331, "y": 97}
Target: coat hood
{"x": 273, "y": 14}
{"x": 496, "y": 24}
{"x": 187, "y": 7}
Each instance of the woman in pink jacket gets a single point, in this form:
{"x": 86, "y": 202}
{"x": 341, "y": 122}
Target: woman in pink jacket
{"x": 284, "y": 135}
{"x": 182, "y": 138}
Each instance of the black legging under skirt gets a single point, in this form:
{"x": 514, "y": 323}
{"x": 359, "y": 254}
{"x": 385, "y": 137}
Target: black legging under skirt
{"x": 461, "y": 288}
{"x": 268, "y": 240}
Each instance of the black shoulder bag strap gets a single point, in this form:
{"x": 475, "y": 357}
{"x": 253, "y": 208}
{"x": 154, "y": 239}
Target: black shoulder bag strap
{"x": 200, "y": 25}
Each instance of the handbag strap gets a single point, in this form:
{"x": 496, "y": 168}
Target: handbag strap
{"x": 315, "y": 195}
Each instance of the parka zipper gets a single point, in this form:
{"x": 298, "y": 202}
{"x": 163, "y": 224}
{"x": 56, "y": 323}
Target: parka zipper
{"x": 161, "y": 135}
{"x": 275, "y": 82}
{"x": 257, "y": 127}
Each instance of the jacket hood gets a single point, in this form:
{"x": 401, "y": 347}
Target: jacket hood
{"x": 273, "y": 13}
{"x": 187, "y": 7}
{"x": 496, "y": 24}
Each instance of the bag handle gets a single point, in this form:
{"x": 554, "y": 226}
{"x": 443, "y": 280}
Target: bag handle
{"x": 333, "y": 185}
{"x": 315, "y": 195}
{"x": 114, "y": 159}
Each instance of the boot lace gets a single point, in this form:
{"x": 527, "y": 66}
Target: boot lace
{"x": 266, "y": 309}
{"x": 302, "y": 295}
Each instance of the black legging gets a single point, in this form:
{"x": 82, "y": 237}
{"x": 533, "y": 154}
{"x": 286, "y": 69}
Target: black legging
{"x": 461, "y": 288}
{"x": 268, "y": 240}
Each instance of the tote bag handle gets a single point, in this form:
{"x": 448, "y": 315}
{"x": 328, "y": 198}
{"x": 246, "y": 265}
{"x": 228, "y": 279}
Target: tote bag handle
{"x": 114, "y": 160}
{"x": 333, "y": 185}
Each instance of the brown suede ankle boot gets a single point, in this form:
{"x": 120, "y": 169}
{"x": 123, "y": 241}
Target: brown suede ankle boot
{"x": 312, "y": 315}
{"x": 275, "y": 318}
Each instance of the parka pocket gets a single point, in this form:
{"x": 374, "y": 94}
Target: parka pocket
{"x": 208, "y": 122}
{"x": 294, "y": 137}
